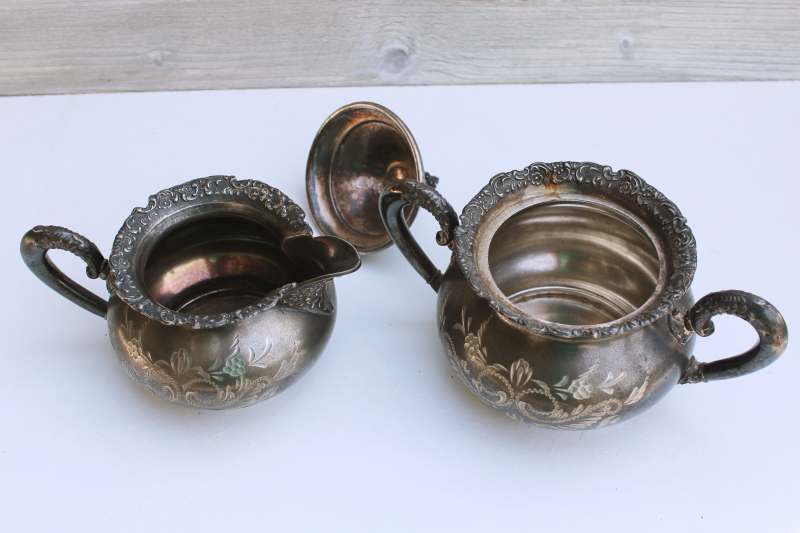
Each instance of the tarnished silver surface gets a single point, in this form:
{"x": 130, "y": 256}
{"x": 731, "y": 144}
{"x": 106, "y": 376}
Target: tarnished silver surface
{"x": 219, "y": 295}
{"x": 360, "y": 149}
{"x": 567, "y": 301}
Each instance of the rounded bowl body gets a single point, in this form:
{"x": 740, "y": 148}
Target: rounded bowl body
{"x": 564, "y": 304}
{"x": 230, "y": 366}
{"x": 552, "y": 382}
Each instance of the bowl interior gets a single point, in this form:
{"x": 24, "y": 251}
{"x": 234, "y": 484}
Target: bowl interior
{"x": 217, "y": 265}
{"x": 574, "y": 263}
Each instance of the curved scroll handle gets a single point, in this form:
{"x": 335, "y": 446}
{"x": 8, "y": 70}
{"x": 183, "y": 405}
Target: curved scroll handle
{"x": 766, "y": 320}
{"x": 397, "y": 195}
{"x": 34, "y": 247}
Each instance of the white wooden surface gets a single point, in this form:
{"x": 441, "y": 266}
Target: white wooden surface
{"x": 74, "y": 46}
{"x": 380, "y": 436}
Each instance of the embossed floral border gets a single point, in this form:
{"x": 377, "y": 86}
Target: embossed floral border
{"x": 679, "y": 242}
{"x": 166, "y": 202}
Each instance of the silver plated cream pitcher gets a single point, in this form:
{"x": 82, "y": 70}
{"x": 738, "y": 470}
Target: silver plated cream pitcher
{"x": 567, "y": 301}
{"x": 219, "y": 296}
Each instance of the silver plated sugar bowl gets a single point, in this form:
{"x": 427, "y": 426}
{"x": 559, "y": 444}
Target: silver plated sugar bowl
{"x": 219, "y": 295}
{"x": 567, "y": 301}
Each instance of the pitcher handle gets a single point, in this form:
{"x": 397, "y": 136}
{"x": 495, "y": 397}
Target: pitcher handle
{"x": 34, "y": 247}
{"x": 765, "y": 319}
{"x": 397, "y": 195}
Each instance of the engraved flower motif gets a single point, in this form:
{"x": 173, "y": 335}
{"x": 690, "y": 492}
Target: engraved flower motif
{"x": 580, "y": 389}
{"x": 472, "y": 346}
{"x": 180, "y": 361}
{"x": 521, "y": 373}
{"x": 234, "y": 367}
{"x": 629, "y": 185}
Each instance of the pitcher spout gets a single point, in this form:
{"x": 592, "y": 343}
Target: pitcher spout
{"x": 322, "y": 258}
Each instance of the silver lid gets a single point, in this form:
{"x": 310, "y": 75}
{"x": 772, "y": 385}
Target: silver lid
{"x": 359, "y": 149}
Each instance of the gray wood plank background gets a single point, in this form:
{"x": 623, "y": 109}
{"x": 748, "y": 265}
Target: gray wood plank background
{"x": 75, "y": 46}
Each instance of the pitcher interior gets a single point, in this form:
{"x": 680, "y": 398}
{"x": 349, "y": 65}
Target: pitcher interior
{"x": 574, "y": 263}
{"x": 217, "y": 265}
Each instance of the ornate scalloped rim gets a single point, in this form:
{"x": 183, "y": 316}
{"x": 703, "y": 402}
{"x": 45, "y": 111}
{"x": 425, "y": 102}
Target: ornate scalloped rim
{"x": 678, "y": 239}
{"x": 162, "y": 204}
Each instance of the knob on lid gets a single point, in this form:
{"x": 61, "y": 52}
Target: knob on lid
{"x": 359, "y": 149}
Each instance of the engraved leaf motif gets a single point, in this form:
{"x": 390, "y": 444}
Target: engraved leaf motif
{"x": 463, "y": 327}
{"x": 249, "y": 393}
{"x": 234, "y": 348}
{"x": 562, "y": 383}
{"x": 587, "y": 373}
{"x": 287, "y": 368}
{"x": 269, "y": 393}
{"x": 543, "y": 385}
{"x": 168, "y": 393}
{"x": 216, "y": 364}
{"x": 180, "y": 362}
{"x": 260, "y": 360}
{"x": 607, "y": 385}
{"x": 608, "y": 421}
{"x": 521, "y": 373}
{"x": 498, "y": 398}
{"x": 225, "y": 395}
{"x": 482, "y": 329}
{"x": 637, "y": 393}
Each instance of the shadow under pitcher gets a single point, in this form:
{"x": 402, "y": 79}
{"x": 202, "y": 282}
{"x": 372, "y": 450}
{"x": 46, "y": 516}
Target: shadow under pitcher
{"x": 567, "y": 301}
{"x": 219, "y": 295}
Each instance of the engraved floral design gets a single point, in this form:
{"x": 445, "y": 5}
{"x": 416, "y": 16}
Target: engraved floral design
{"x": 521, "y": 373}
{"x": 223, "y": 385}
{"x": 312, "y": 298}
{"x": 580, "y": 389}
{"x": 516, "y": 392}
{"x": 472, "y": 342}
{"x": 234, "y": 367}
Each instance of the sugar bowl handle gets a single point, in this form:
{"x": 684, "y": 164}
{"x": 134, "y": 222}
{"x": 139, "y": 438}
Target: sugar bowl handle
{"x": 34, "y": 247}
{"x": 767, "y": 321}
{"x": 394, "y": 198}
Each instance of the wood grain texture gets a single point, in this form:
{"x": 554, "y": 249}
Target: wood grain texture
{"x": 144, "y": 45}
